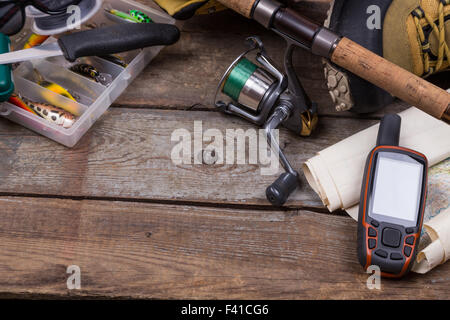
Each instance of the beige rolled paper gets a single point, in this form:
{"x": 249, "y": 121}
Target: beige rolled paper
{"x": 438, "y": 251}
{"x": 336, "y": 173}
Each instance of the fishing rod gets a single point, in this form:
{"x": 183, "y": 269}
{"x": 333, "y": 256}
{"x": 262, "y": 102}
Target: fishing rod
{"x": 304, "y": 33}
{"x": 269, "y": 97}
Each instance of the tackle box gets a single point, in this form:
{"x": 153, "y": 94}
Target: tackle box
{"x": 93, "y": 98}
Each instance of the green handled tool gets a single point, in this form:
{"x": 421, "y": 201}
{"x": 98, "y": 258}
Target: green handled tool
{"x": 6, "y": 81}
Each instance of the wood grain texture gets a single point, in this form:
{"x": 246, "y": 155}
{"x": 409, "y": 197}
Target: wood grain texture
{"x": 397, "y": 81}
{"x": 127, "y": 154}
{"x": 243, "y": 7}
{"x": 137, "y": 250}
{"x": 141, "y": 227}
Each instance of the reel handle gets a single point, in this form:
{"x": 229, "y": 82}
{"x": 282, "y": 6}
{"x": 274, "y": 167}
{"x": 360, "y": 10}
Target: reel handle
{"x": 279, "y": 191}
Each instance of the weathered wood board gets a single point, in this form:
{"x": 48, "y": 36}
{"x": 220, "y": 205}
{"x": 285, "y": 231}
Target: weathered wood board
{"x": 137, "y": 250}
{"x": 128, "y": 155}
{"x": 140, "y": 226}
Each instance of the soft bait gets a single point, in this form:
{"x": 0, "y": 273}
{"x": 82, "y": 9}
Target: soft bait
{"x": 35, "y": 40}
{"x": 91, "y": 72}
{"x": 116, "y": 59}
{"x": 52, "y": 86}
{"x": 52, "y": 114}
{"x": 17, "y": 101}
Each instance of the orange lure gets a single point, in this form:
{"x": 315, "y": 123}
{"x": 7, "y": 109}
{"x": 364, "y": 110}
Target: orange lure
{"x": 34, "y": 40}
{"x": 17, "y": 101}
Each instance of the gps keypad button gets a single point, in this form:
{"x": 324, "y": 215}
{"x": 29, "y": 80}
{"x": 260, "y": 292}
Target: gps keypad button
{"x": 391, "y": 237}
{"x": 396, "y": 256}
{"x": 410, "y": 240}
{"x": 381, "y": 253}
{"x": 407, "y": 251}
{"x": 409, "y": 230}
{"x": 372, "y": 243}
{"x": 372, "y": 232}
{"x": 375, "y": 223}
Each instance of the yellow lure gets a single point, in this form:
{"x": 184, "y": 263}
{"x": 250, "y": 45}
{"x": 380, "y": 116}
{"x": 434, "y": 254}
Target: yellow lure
{"x": 53, "y": 86}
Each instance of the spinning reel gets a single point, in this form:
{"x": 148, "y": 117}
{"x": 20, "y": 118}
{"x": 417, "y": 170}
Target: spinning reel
{"x": 267, "y": 97}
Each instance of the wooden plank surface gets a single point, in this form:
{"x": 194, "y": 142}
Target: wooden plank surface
{"x": 128, "y": 155}
{"x": 140, "y": 226}
{"x": 135, "y": 250}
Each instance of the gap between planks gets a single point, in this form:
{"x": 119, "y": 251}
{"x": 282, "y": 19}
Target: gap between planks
{"x": 128, "y": 155}
{"x": 395, "y": 107}
{"x": 202, "y": 204}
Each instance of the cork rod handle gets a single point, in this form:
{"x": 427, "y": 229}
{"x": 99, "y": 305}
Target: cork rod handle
{"x": 392, "y": 78}
{"x": 377, "y": 70}
{"x": 243, "y": 7}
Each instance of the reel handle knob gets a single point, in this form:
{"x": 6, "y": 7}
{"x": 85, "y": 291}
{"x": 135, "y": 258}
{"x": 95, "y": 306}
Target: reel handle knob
{"x": 279, "y": 191}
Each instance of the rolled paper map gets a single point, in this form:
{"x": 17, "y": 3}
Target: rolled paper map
{"x": 438, "y": 251}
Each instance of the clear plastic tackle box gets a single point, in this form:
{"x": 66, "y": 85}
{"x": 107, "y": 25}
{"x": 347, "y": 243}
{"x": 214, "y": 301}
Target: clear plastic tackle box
{"x": 93, "y": 98}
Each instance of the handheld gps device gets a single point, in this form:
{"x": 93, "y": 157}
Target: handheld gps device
{"x": 392, "y": 203}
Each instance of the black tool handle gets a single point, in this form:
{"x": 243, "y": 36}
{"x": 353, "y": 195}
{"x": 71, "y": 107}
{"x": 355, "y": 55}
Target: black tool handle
{"x": 389, "y": 131}
{"x": 116, "y": 39}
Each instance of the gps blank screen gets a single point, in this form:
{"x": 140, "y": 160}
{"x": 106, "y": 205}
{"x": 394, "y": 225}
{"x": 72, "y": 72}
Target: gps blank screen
{"x": 397, "y": 188}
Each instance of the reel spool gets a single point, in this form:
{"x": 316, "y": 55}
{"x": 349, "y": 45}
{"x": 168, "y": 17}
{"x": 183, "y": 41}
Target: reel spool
{"x": 47, "y": 25}
{"x": 247, "y": 84}
{"x": 267, "y": 97}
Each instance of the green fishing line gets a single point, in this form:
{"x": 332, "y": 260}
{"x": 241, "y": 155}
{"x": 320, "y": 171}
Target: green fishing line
{"x": 238, "y": 77}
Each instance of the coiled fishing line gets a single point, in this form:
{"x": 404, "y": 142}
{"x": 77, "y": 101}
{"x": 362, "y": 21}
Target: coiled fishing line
{"x": 47, "y": 25}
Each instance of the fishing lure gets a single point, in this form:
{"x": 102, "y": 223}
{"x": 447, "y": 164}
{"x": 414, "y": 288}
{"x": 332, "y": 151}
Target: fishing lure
{"x": 122, "y": 15}
{"x": 140, "y": 16}
{"x": 116, "y": 59}
{"x": 52, "y": 86}
{"x": 52, "y": 114}
{"x": 17, "y": 101}
{"x": 35, "y": 40}
{"x": 91, "y": 72}
{"x": 134, "y": 16}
